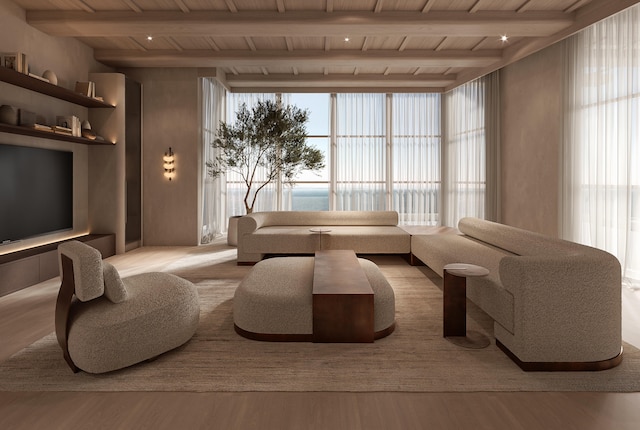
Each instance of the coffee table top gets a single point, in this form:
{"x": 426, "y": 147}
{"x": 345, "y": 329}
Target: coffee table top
{"x": 466, "y": 270}
{"x": 339, "y": 272}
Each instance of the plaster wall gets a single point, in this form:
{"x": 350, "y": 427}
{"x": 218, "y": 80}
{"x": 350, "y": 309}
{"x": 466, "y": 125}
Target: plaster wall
{"x": 170, "y": 119}
{"x": 531, "y": 141}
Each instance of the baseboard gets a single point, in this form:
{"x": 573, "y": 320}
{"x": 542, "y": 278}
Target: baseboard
{"x": 561, "y": 366}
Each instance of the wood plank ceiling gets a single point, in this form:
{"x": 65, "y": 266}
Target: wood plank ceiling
{"x": 320, "y": 45}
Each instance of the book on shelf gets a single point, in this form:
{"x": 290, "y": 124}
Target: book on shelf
{"x": 71, "y": 122}
{"x": 62, "y": 130}
{"x": 42, "y": 127}
{"x": 33, "y": 75}
{"x": 86, "y": 88}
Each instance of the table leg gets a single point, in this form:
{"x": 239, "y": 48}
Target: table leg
{"x": 454, "y": 305}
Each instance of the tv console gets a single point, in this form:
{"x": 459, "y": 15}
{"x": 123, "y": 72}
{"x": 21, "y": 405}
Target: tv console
{"x": 21, "y": 269}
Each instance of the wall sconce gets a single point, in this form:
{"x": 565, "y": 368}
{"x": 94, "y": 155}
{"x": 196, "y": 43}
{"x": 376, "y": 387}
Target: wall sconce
{"x": 169, "y": 165}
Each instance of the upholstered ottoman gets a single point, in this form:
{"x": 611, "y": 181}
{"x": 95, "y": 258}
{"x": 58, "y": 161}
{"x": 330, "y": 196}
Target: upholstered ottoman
{"x": 274, "y": 301}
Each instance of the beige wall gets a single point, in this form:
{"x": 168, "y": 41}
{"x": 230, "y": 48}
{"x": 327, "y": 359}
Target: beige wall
{"x": 531, "y": 138}
{"x": 170, "y": 119}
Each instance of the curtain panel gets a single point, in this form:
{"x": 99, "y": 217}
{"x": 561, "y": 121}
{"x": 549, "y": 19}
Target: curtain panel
{"x": 212, "y": 102}
{"x": 416, "y": 139}
{"x": 360, "y": 152}
{"x": 601, "y": 151}
{"x": 471, "y": 151}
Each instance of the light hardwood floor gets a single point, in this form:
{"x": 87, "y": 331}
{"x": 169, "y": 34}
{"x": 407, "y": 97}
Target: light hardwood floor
{"x": 27, "y": 315}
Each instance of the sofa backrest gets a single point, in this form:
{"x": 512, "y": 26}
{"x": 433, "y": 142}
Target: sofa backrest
{"x": 319, "y": 218}
{"x": 515, "y": 240}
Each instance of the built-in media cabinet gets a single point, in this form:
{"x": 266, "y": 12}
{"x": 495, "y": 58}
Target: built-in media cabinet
{"x": 106, "y": 180}
{"x": 28, "y": 267}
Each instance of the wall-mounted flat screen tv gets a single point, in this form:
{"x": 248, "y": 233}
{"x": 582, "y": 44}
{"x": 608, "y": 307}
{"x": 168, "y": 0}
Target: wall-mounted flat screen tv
{"x": 36, "y": 192}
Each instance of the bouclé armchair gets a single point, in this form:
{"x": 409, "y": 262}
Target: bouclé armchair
{"x": 104, "y": 322}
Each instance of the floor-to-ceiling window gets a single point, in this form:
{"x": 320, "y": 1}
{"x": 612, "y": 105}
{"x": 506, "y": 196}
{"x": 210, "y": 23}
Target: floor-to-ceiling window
{"x": 416, "y": 138}
{"x": 360, "y": 152}
{"x": 310, "y": 190}
{"x": 382, "y": 152}
{"x": 602, "y": 143}
{"x": 601, "y": 170}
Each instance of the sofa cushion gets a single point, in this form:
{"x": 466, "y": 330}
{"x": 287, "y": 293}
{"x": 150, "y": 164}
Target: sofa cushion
{"x": 512, "y": 239}
{"x": 114, "y": 288}
{"x": 300, "y": 240}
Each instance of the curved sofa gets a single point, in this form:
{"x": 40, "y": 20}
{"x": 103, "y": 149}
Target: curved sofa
{"x": 289, "y": 232}
{"x": 556, "y": 304}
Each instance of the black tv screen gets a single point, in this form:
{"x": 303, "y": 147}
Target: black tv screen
{"x": 36, "y": 192}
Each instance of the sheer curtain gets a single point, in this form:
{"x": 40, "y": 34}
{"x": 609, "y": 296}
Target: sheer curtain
{"x": 360, "y": 152}
{"x": 212, "y": 99}
{"x": 601, "y": 159}
{"x": 471, "y": 134}
{"x": 416, "y": 140}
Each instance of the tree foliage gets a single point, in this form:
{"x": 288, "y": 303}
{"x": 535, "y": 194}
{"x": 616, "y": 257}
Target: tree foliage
{"x": 265, "y": 142}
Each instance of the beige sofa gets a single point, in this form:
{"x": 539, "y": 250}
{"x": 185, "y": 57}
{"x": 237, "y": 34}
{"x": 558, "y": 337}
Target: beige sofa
{"x": 289, "y": 232}
{"x": 556, "y": 304}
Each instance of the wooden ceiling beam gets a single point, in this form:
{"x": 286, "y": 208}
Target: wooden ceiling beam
{"x": 339, "y": 80}
{"x": 270, "y": 58}
{"x": 297, "y": 23}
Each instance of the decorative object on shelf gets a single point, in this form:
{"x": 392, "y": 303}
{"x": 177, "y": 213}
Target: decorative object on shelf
{"x": 51, "y": 76}
{"x": 169, "y": 165}
{"x": 16, "y": 61}
{"x": 70, "y": 121}
{"x": 26, "y": 118}
{"x": 86, "y": 130}
{"x": 86, "y": 88}
{"x": 88, "y": 134}
{"x": 8, "y": 115}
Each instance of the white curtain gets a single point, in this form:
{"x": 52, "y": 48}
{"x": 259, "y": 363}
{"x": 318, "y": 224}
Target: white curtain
{"x": 360, "y": 152}
{"x": 601, "y": 154}
{"x": 468, "y": 110}
{"x": 416, "y": 141}
{"x": 212, "y": 99}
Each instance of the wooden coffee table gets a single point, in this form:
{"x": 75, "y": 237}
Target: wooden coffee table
{"x": 455, "y": 305}
{"x": 342, "y": 299}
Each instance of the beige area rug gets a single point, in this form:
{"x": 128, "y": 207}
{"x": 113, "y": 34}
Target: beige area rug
{"x": 415, "y": 358}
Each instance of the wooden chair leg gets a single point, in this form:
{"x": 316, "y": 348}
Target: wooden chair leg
{"x": 63, "y": 306}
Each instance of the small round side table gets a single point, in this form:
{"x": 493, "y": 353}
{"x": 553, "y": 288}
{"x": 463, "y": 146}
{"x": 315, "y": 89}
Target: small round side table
{"x": 455, "y": 305}
{"x": 320, "y": 230}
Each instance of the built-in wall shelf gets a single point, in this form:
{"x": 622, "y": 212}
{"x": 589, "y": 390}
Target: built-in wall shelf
{"x": 25, "y": 81}
{"x": 28, "y": 131}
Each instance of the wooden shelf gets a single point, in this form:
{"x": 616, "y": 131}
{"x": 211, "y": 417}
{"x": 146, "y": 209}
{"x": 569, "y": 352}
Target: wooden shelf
{"x": 27, "y": 131}
{"x": 25, "y": 81}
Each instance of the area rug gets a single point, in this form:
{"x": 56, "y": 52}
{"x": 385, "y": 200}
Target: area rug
{"x": 415, "y": 358}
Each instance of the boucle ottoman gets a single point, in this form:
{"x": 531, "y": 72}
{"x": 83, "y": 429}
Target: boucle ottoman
{"x": 274, "y": 301}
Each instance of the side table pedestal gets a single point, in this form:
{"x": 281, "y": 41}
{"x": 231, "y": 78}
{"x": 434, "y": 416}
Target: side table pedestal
{"x": 455, "y": 305}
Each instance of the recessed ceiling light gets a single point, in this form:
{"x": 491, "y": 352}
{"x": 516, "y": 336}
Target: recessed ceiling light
{"x": 504, "y": 38}
{"x": 346, "y": 39}
{"x": 149, "y": 38}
